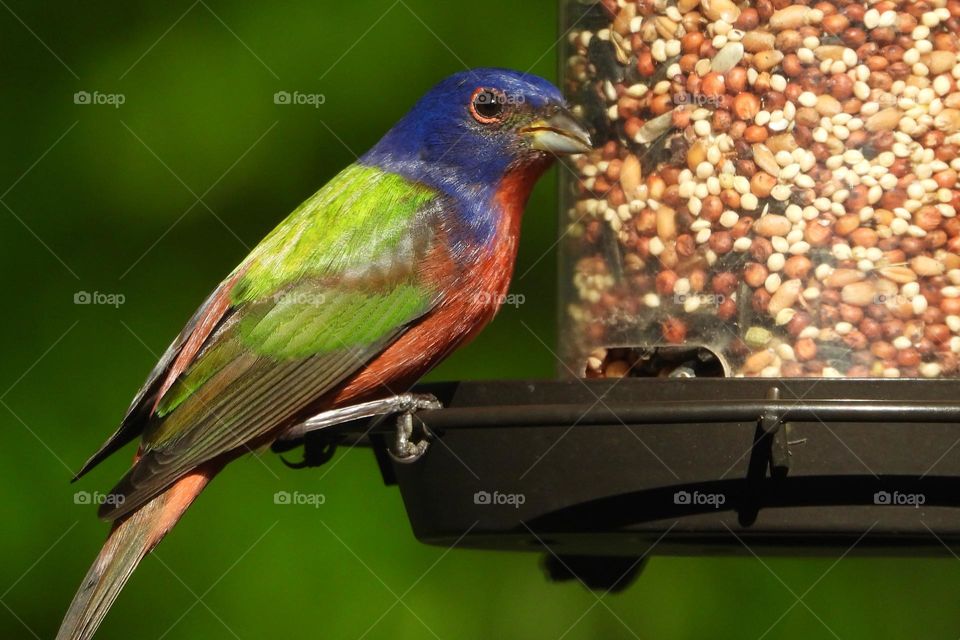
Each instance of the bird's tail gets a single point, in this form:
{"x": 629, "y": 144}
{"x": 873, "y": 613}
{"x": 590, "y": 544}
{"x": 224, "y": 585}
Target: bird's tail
{"x": 130, "y": 540}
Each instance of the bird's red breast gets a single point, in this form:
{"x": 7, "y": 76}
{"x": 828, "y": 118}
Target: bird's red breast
{"x": 465, "y": 310}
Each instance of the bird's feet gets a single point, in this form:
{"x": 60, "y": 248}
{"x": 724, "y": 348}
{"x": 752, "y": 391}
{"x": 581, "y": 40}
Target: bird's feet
{"x": 413, "y": 440}
{"x": 410, "y": 443}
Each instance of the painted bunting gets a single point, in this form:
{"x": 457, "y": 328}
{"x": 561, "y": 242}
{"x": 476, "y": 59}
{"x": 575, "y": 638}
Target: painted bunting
{"x": 400, "y": 258}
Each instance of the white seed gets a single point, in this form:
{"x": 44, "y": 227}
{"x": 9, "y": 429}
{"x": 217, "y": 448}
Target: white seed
{"x": 772, "y": 283}
{"x": 919, "y": 304}
{"x": 902, "y": 342}
{"x": 807, "y": 99}
{"x": 776, "y": 261}
{"x": 929, "y": 369}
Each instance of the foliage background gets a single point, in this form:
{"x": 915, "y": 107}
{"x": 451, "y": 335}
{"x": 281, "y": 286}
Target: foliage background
{"x": 104, "y": 199}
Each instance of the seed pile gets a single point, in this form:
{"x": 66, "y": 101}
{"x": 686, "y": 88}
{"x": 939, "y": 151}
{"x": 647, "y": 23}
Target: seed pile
{"x": 775, "y": 180}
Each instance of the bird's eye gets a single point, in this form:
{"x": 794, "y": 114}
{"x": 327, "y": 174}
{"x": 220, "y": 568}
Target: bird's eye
{"x": 486, "y": 106}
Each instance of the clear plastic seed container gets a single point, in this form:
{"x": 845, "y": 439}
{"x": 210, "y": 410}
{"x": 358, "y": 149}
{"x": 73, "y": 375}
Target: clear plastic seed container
{"x": 773, "y": 193}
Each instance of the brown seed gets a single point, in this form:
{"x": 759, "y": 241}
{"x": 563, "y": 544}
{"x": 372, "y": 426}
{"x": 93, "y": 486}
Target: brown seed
{"x": 630, "y": 175}
{"x": 712, "y": 208}
{"x": 755, "y": 133}
{"x": 870, "y": 328}
{"x": 616, "y": 369}
{"x": 758, "y": 361}
{"x": 789, "y": 41}
{"x": 691, "y": 41}
{"x": 782, "y": 142}
{"x": 698, "y": 280}
{"x": 724, "y": 283}
{"x": 800, "y": 321}
{"x": 854, "y": 37}
{"x": 761, "y": 249}
{"x": 846, "y": 224}
{"x": 950, "y": 306}
{"x": 731, "y": 200}
{"x": 784, "y": 297}
{"x": 946, "y": 179}
{"x": 666, "y": 223}
{"x": 727, "y": 309}
{"x": 686, "y": 246}
{"x": 883, "y": 350}
{"x": 754, "y": 274}
{"x": 797, "y": 266}
{"x": 749, "y": 19}
{"x": 771, "y": 224}
{"x": 736, "y": 80}
{"x": 765, "y": 159}
{"x": 937, "y": 333}
{"x": 839, "y": 278}
{"x": 720, "y": 242}
{"x": 746, "y": 106}
{"x": 828, "y": 106}
{"x": 713, "y": 85}
{"x": 695, "y": 155}
{"x": 791, "y": 17}
{"x": 908, "y": 357}
{"x": 858, "y": 293}
{"x": 767, "y": 60}
{"x": 646, "y": 65}
{"x": 674, "y": 330}
{"x": 724, "y": 10}
{"x": 927, "y": 218}
{"x": 761, "y": 184}
{"x": 665, "y": 282}
{"x": 665, "y": 27}
{"x": 757, "y": 41}
{"x": 898, "y": 274}
{"x": 850, "y": 313}
{"x": 926, "y": 266}
{"x": 816, "y": 234}
{"x": 864, "y": 237}
{"x": 835, "y": 23}
{"x": 883, "y": 120}
{"x": 805, "y": 349}
{"x": 941, "y": 61}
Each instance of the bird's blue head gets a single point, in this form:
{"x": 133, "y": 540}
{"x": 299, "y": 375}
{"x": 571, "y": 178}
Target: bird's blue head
{"x": 473, "y": 128}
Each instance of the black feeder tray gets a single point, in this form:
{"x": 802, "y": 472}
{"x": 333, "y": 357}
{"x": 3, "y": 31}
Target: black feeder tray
{"x": 600, "y": 473}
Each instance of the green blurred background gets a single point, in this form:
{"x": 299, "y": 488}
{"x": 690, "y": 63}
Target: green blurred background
{"x": 106, "y": 199}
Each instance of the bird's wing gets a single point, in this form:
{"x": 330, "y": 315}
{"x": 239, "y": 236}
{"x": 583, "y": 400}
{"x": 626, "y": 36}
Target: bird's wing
{"x": 173, "y": 361}
{"x": 327, "y": 290}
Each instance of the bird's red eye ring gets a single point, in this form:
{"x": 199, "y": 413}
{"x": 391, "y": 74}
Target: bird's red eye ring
{"x": 486, "y": 105}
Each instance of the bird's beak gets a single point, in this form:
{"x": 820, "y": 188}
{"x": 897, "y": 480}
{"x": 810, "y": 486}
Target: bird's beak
{"x": 559, "y": 133}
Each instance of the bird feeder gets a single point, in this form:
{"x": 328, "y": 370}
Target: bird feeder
{"x": 760, "y": 300}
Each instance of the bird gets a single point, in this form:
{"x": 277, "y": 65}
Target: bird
{"x": 399, "y": 259}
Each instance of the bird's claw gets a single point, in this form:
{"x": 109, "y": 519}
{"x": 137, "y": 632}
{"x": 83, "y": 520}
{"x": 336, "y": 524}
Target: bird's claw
{"x": 412, "y": 443}
{"x": 413, "y": 402}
